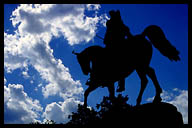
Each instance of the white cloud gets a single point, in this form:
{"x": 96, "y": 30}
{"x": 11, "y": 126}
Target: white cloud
{"x": 25, "y": 74}
{"x": 177, "y": 97}
{"x": 103, "y": 19}
{"x": 5, "y": 81}
{"x": 13, "y": 57}
{"x": 39, "y": 85}
{"x": 36, "y": 89}
{"x": 18, "y": 106}
{"x": 181, "y": 102}
{"x": 63, "y": 108}
{"x": 31, "y": 81}
{"x": 68, "y": 20}
{"x": 37, "y": 24}
{"x": 93, "y": 7}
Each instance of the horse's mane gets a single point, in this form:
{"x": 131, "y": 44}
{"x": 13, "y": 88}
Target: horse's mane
{"x": 91, "y": 50}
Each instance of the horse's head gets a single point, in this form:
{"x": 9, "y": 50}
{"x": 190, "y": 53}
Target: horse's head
{"x": 83, "y": 61}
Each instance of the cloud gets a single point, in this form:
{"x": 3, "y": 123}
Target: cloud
{"x": 68, "y": 20}
{"x": 177, "y": 97}
{"x": 29, "y": 46}
{"x": 103, "y": 19}
{"x": 181, "y": 102}
{"x": 5, "y": 81}
{"x": 19, "y": 108}
{"x": 25, "y": 74}
{"x": 63, "y": 108}
{"x": 35, "y": 26}
{"x": 13, "y": 57}
{"x": 93, "y": 7}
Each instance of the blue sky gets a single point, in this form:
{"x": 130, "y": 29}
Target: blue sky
{"x": 43, "y": 78}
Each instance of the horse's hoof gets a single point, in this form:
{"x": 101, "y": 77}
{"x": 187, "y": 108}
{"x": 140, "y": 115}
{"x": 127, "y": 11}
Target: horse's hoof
{"x": 157, "y": 99}
{"x": 159, "y": 91}
{"x": 85, "y": 105}
{"x": 138, "y": 102}
{"x": 120, "y": 89}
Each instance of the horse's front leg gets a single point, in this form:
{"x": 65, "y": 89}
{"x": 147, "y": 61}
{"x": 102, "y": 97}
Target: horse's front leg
{"x": 89, "y": 89}
{"x": 111, "y": 90}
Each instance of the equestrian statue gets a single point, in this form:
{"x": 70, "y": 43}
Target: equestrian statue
{"x": 124, "y": 53}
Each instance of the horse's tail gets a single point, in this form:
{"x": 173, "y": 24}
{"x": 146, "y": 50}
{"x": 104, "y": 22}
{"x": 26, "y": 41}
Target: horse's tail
{"x": 158, "y": 39}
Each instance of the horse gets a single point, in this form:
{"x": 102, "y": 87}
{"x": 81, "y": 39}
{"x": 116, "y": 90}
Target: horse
{"x": 106, "y": 66}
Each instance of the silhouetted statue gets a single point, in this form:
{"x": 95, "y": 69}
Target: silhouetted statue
{"x": 124, "y": 55}
{"x": 114, "y": 37}
{"x": 117, "y": 113}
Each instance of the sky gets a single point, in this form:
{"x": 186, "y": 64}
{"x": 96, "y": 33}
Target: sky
{"x": 43, "y": 78}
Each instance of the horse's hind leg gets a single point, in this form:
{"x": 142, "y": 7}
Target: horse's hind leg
{"x": 144, "y": 81}
{"x": 151, "y": 74}
{"x": 111, "y": 90}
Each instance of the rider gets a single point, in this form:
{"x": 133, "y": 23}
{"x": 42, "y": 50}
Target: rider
{"x": 116, "y": 32}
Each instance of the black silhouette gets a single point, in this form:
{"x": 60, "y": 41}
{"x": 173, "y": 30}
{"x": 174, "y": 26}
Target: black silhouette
{"x": 117, "y": 113}
{"x": 122, "y": 56}
{"x": 115, "y": 35}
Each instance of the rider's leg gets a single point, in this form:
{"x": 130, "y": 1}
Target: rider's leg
{"x": 121, "y": 85}
{"x": 111, "y": 90}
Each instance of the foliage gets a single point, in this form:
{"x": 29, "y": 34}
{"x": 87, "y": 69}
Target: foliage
{"x": 88, "y": 117}
{"x": 117, "y": 113}
{"x": 109, "y": 112}
{"x": 83, "y": 117}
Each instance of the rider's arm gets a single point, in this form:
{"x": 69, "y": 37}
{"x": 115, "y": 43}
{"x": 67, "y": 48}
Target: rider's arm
{"x": 127, "y": 32}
